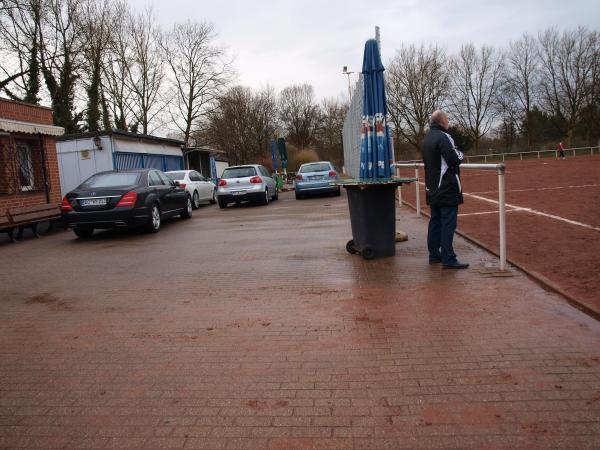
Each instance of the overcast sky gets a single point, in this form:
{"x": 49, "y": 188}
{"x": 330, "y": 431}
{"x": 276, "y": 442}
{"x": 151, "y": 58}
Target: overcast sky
{"x": 282, "y": 42}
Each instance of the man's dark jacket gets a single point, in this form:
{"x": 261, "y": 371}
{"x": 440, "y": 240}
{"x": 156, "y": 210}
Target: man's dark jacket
{"x": 442, "y": 174}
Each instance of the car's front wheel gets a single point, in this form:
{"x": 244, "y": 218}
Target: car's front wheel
{"x": 214, "y": 198}
{"x": 153, "y": 226}
{"x": 83, "y": 232}
{"x": 187, "y": 211}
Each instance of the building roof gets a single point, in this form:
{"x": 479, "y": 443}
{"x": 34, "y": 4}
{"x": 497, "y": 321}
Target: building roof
{"x": 124, "y": 134}
{"x": 17, "y": 126}
{"x": 219, "y": 155}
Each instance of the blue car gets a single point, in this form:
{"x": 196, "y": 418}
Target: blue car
{"x": 316, "y": 178}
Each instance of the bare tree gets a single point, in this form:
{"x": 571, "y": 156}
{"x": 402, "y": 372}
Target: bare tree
{"x": 199, "y": 73}
{"x": 328, "y": 136}
{"x": 416, "y": 85}
{"x": 567, "y": 62}
{"x": 20, "y": 23}
{"x": 475, "y": 77}
{"x": 522, "y": 79}
{"x": 299, "y": 114}
{"x": 97, "y": 21}
{"x": 60, "y": 50}
{"x": 117, "y": 94}
{"x": 593, "y": 99}
{"x": 144, "y": 66}
{"x": 510, "y": 114}
{"x": 242, "y": 124}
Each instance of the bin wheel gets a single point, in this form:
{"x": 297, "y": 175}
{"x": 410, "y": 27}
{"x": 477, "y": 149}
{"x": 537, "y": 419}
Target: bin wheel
{"x": 350, "y": 247}
{"x": 368, "y": 253}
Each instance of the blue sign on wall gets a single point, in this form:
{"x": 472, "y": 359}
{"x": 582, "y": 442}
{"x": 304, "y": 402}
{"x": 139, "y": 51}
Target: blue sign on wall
{"x": 213, "y": 170}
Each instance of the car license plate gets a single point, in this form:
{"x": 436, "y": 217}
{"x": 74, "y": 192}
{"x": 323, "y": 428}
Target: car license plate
{"x": 237, "y": 192}
{"x": 316, "y": 177}
{"x": 93, "y": 202}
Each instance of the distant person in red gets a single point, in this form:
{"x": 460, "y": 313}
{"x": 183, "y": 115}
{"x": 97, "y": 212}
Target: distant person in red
{"x": 561, "y": 150}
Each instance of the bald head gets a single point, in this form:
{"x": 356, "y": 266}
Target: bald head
{"x": 439, "y": 117}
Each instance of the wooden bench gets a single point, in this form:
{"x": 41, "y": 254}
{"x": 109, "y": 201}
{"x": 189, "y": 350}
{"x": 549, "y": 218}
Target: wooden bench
{"x": 28, "y": 217}
{"x": 5, "y": 225}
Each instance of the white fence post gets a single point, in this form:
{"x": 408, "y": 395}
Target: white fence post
{"x": 399, "y": 188}
{"x": 417, "y": 191}
{"x": 500, "y": 169}
{"x": 502, "y": 217}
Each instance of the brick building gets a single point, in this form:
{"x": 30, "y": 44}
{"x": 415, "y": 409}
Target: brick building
{"x": 28, "y": 162}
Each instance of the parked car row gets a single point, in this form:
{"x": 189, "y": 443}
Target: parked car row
{"x": 144, "y": 197}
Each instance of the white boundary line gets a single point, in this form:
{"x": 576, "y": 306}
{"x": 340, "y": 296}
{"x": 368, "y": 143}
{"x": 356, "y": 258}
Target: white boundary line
{"x": 540, "y": 189}
{"x": 489, "y": 212}
{"x": 477, "y": 213}
{"x": 531, "y": 211}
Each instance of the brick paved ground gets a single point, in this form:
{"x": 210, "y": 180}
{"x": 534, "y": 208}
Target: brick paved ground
{"x": 253, "y": 328}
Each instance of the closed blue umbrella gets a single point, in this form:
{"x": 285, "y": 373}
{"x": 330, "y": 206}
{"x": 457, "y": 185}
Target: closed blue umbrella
{"x": 282, "y": 152}
{"x": 213, "y": 170}
{"x": 375, "y": 144}
{"x": 273, "y": 155}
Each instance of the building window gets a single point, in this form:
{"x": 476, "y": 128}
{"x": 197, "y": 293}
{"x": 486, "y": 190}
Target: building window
{"x": 25, "y": 166}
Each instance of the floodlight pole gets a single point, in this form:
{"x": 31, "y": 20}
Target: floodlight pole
{"x": 345, "y": 72}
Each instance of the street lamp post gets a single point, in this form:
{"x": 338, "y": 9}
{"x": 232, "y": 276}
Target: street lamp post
{"x": 345, "y": 72}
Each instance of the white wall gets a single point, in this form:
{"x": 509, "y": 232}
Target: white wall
{"x": 130, "y": 146}
{"x": 78, "y": 160}
{"x": 221, "y": 166}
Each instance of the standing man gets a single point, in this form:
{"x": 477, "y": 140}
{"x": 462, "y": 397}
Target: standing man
{"x": 443, "y": 190}
{"x": 561, "y": 150}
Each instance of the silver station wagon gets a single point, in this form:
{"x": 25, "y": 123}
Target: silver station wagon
{"x": 246, "y": 183}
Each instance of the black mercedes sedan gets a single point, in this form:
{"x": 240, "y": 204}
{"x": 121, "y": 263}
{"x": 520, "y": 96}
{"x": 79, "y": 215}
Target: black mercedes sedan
{"x": 124, "y": 198}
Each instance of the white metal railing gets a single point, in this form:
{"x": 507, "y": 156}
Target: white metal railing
{"x": 538, "y": 153}
{"x": 499, "y": 168}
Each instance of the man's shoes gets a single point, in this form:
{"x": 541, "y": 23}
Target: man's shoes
{"x": 455, "y": 265}
{"x": 434, "y": 260}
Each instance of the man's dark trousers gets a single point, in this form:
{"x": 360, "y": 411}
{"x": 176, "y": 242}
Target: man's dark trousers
{"x": 442, "y": 225}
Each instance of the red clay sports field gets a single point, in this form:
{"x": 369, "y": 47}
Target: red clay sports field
{"x": 553, "y": 218}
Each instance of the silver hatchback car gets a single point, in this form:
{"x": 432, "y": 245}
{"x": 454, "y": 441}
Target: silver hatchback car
{"x": 246, "y": 183}
{"x": 316, "y": 178}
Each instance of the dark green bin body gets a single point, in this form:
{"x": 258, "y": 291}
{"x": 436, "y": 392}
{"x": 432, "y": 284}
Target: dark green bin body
{"x": 373, "y": 219}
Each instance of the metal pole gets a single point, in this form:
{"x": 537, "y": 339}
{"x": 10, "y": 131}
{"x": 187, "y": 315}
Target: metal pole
{"x": 502, "y": 218}
{"x": 399, "y": 188}
{"x": 417, "y": 192}
{"x": 349, "y": 89}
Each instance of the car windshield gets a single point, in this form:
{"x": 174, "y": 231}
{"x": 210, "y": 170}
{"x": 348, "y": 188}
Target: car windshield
{"x": 238, "y": 172}
{"x": 317, "y": 167}
{"x": 112, "y": 179}
{"x": 176, "y": 176}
